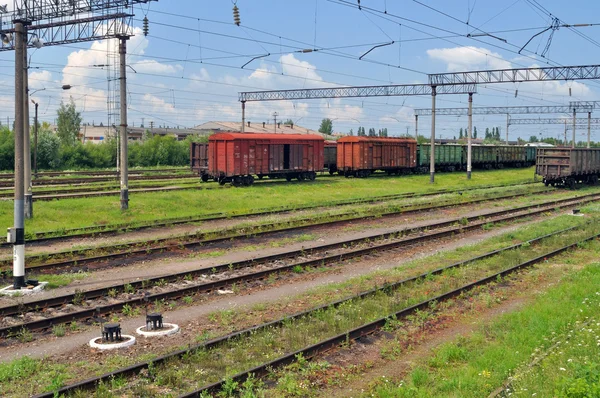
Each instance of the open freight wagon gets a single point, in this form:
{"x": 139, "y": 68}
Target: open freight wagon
{"x": 199, "y": 160}
{"x": 361, "y": 156}
{"x": 238, "y": 157}
{"x": 568, "y": 166}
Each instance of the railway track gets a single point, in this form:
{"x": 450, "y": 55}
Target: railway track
{"x": 47, "y": 194}
{"x": 100, "y": 173}
{"x": 329, "y": 343}
{"x": 143, "y": 250}
{"x": 63, "y": 181}
{"x": 99, "y": 230}
{"x": 209, "y": 279}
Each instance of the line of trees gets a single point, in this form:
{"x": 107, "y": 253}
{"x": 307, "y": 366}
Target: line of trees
{"x": 64, "y": 150}
{"x": 361, "y": 132}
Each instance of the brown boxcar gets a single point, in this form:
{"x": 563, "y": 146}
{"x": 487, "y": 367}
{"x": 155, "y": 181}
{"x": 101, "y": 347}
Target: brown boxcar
{"x": 199, "y": 159}
{"x": 238, "y": 157}
{"x": 360, "y": 156}
{"x": 330, "y": 156}
{"x": 567, "y": 166}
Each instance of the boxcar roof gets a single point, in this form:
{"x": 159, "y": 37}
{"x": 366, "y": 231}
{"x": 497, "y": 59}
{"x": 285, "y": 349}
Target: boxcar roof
{"x": 374, "y": 139}
{"x": 230, "y": 136}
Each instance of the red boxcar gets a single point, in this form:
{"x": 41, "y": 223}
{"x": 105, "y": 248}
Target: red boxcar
{"x": 330, "y": 156}
{"x": 238, "y": 157}
{"x": 360, "y": 156}
{"x": 199, "y": 159}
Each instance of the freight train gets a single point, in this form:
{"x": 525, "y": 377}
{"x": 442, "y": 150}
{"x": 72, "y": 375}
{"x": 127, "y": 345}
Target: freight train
{"x": 237, "y": 158}
{"x": 568, "y": 166}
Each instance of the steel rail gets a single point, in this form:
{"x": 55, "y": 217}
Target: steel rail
{"x": 212, "y": 286}
{"x": 160, "y": 245}
{"x": 135, "y": 368}
{"x": 98, "y": 173}
{"x": 56, "y": 181}
{"x": 98, "y": 230}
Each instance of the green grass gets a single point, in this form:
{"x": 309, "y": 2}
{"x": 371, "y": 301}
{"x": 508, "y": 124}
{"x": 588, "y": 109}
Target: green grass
{"x": 479, "y": 364}
{"x": 73, "y": 213}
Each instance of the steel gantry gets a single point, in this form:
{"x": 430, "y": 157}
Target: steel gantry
{"x": 502, "y": 110}
{"x": 575, "y": 122}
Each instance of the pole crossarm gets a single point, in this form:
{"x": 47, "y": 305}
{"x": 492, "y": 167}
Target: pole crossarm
{"x": 38, "y": 10}
{"x": 584, "y": 104}
{"x": 500, "y": 110}
{"x": 583, "y": 72}
{"x": 582, "y": 121}
{"x": 75, "y": 31}
{"x": 354, "y": 91}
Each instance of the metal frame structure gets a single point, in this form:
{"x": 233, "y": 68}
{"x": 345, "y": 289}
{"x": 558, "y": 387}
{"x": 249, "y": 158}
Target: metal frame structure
{"x": 579, "y": 121}
{"x": 502, "y": 110}
{"x": 355, "y": 91}
{"x": 517, "y": 75}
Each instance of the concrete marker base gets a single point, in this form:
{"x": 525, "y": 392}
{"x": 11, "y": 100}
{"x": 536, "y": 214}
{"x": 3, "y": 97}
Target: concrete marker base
{"x": 94, "y": 343}
{"x": 172, "y": 329}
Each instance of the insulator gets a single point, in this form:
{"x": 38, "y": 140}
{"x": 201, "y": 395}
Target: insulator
{"x": 236, "y": 15}
{"x": 516, "y": 93}
{"x": 569, "y": 91}
{"x": 145, "y": 26}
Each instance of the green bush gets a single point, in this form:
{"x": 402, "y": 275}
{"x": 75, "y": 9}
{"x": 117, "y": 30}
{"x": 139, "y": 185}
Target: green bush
{"x": 152, "y": 151}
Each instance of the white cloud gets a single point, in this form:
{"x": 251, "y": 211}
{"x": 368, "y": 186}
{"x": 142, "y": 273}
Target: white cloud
{"x": 152, "y": 66}
{"x": 40, "y": 79}
{"x": 468, "y": 58}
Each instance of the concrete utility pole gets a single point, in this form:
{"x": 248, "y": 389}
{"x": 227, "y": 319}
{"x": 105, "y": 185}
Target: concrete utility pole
{"x": 275, "y": 114}
{"x": 243, "y": 115}
{"x": 35, "y": 140}
{"x": 589, "y": 128}
{"x": 417, "y": 128}
{"x": 574, "y": 123}
{"x": 26, "y": 138}
{"x": 17, "y": 233}
{"x": 432, "y": 152}
{"x": 469, "y": 135}
{"x": 566, "y": 142}
{"x": 124, "y": 163}
{"x": 507, "y": 124}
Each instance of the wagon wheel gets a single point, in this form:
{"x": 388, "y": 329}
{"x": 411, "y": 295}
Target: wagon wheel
{"x": 204, "y": 177}
{"x": 246, "y": 180}
{"x": 260, "y": 176}
{"x": 312, "y": 176}
{"x": 222, "y": 181}
{"x": 571, "y": 183}
{"x": 288, "y": 177}
{"x": 301, "y": 177}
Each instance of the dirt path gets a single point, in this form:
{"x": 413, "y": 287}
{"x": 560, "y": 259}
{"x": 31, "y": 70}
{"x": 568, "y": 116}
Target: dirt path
{"x": 190, "y": 317}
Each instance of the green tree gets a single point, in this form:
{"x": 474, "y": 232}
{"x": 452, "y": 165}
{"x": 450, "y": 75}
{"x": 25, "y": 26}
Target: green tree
{"x": 487, "y": 133}
{"x": 326, "y": 126}
{"x": 460, "y": 134}
{"x": 48, "y": 153}
{"x": 372, "y": 132}
{"x": 474, "y": 132}
{"x": 351, "y": 132}
{"x": 69, "y": 121}
{"x": 533, "y": 138}
{"x": 7, "y": 149}
{"x": 384, "y": 132}
{"x": 289, "y": 121}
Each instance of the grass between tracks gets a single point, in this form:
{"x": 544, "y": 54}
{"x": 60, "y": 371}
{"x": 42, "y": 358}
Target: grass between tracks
{"x": 206, "y": 366}
{"x": 274, "y": 222}
{"x": 72, "y": 213}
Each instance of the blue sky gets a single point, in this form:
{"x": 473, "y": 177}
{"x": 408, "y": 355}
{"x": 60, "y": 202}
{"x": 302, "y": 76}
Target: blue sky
{"x": 189, "y": 67}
